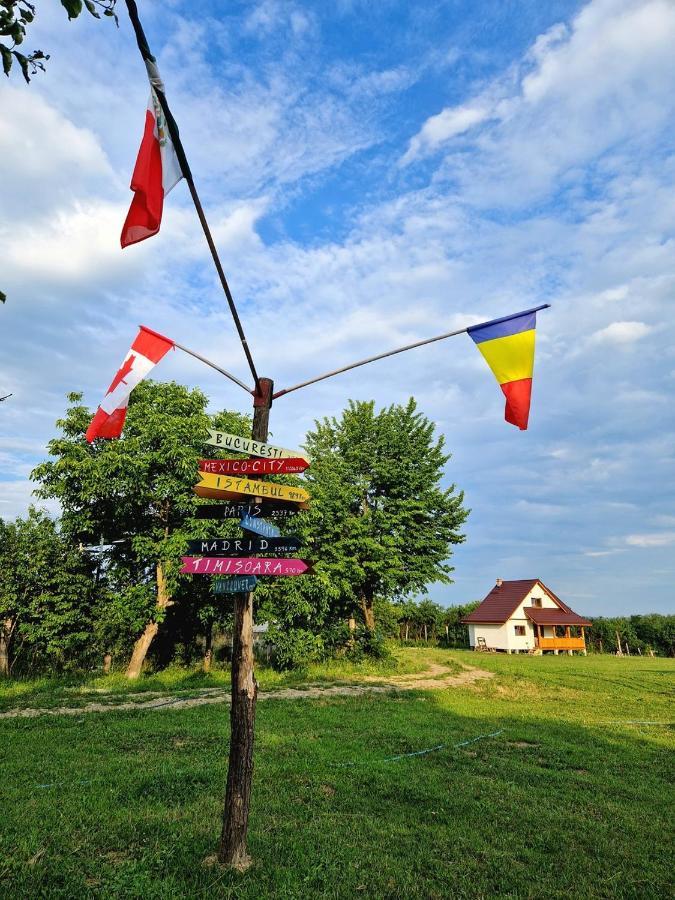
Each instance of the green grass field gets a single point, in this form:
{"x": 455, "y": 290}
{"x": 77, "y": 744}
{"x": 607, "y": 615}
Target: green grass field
{"x": 572, "y": 799}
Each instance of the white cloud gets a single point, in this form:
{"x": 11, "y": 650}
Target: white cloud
{"x": 597, "y": 553}
{"x": 612, "y": 65}
{"x": 655, "y": 539}
{"x": 614, "y": 294}
{"x": 50, "y": 158}
{"x": 440, "y": 128}
{"x": 621, "y": 333}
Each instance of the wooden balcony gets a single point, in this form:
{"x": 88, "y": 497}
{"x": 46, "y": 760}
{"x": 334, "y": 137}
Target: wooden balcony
{"x": 560, "y": 643}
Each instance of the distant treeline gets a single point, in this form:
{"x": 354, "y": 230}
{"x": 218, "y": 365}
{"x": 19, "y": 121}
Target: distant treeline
{"x": 634, "y": 634}
{"x": 426, "y": 621}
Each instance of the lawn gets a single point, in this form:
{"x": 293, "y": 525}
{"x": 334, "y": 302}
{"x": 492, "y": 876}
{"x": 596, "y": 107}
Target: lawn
{"x": 572, "y": 799}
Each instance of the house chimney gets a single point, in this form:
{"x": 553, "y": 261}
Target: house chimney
{"x": 499, "y": 582}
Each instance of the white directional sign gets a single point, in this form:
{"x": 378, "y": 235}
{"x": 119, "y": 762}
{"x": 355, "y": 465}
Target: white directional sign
{"x": 248, "y": 445}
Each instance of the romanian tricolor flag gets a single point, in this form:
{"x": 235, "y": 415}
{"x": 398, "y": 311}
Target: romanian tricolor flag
{"x": 507, "y": 346}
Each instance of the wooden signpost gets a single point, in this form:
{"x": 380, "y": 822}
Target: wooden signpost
{"x": 247, "y": 500}
{"x": 253, "y": 565}
{"x": 243, "y": 546}
{"x": 250, "y": 446}
{"x": 273, "y": 509}
{"x": 225, "y": 484}
{"x": 253, "y": 466}
{"x": 239, "y": 585}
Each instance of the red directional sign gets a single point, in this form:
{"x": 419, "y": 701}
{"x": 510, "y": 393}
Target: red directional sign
{"x": 253, "y": 466}
{"x": 219, "y": 565}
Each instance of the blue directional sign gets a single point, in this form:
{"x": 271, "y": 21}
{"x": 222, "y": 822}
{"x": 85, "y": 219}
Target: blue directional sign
{"x": 241, "y": 584}
{"x": 259, "y": 526}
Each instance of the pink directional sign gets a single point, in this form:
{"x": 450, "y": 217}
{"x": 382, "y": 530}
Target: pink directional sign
{"x": 253, "y": 466}
{"x": 220, "y": 565}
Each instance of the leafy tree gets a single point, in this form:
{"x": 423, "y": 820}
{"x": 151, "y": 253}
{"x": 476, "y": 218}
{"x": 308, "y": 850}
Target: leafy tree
{"x": 16, "y": 16}
{"x": 45, "y": 593}
{"x": 380, "y": 526}
{"x": 135, "y": 495}
{"x": 457, "y": 634}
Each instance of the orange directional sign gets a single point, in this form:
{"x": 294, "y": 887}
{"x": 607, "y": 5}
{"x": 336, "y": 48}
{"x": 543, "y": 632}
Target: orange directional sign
{"x": 253, "y": 466}
{"x": 224, "y": 485}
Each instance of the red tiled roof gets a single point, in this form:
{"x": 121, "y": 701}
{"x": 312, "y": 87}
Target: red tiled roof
{"x": 541, "y": 616}
{"x": 502, "y": 600}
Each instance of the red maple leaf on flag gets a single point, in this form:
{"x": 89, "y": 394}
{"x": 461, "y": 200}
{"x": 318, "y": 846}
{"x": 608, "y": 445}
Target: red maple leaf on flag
{"x": 122, "y": 372}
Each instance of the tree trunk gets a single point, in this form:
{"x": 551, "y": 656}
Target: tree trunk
{"x": 6, "y": 629}
{"x": 368, "y": 611}
{"x": 142, "y": 645}
{"x": 407, "y": 629}
{"x": 208, "y": 647}
{"x": 107, "y": 664}
{"x": 141, "y": 648}
{"x": 232, "y": 850}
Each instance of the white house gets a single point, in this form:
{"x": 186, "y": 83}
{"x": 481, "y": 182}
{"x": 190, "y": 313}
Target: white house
{"x": 525, "y": 617}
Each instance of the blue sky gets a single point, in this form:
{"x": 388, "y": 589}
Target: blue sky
{"x": 376, "y": 173}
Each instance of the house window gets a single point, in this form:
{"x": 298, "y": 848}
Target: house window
{"x": 520, "y": 630}
{"x": 536, "y": 601}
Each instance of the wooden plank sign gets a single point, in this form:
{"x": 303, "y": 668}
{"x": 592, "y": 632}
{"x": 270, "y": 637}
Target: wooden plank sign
{"x": 248, "y": 445}
{"x": 253, "y": 466}
{"x": 238, "y": 585}
{"x": 225, "y": 484}
{"x": 274, "y": 509}
{"x": 243, "y": 546}
{"x": 260, "y": 526}
{"x": 215, "y": 494}
{"x": 219, "y": 565}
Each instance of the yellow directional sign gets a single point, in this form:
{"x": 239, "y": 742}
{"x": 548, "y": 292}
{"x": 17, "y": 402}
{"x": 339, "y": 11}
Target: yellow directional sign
{"x": 268, "y": 489}
{"x": 248, "y": 445}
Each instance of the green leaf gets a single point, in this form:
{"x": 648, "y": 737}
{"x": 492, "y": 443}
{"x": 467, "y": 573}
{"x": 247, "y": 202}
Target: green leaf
{"x": 91, "y": 6}
{"x": 6, "y": 66}
{"x": 23, "y": 62}
{"x": 72, "y": 7}
{"x": 3, "y": 296}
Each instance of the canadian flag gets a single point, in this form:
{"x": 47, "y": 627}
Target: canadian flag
{"x": 156, "y": 172}
{"x": 146, "y": 351}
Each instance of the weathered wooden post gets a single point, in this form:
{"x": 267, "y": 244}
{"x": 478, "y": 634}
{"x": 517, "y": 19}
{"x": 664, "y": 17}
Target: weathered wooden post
{"x": 233, "y": 851}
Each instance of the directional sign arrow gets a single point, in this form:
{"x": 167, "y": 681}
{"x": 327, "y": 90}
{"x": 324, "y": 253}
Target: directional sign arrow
{"x": 226, "y": 484}
{"x": 253, "y": 466}
{"x": 240, "y": 500}
{"x": 274, "y": 509}
{"x": 218, "y": 565}
{"x": 260, "y": 526}
{"x": 238, "y": 585}
{"x": 243, "y": 546}
{"x": 248, "y": 445}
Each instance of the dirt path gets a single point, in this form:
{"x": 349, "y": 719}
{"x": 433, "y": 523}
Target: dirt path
{"x": 435, "y": 678}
